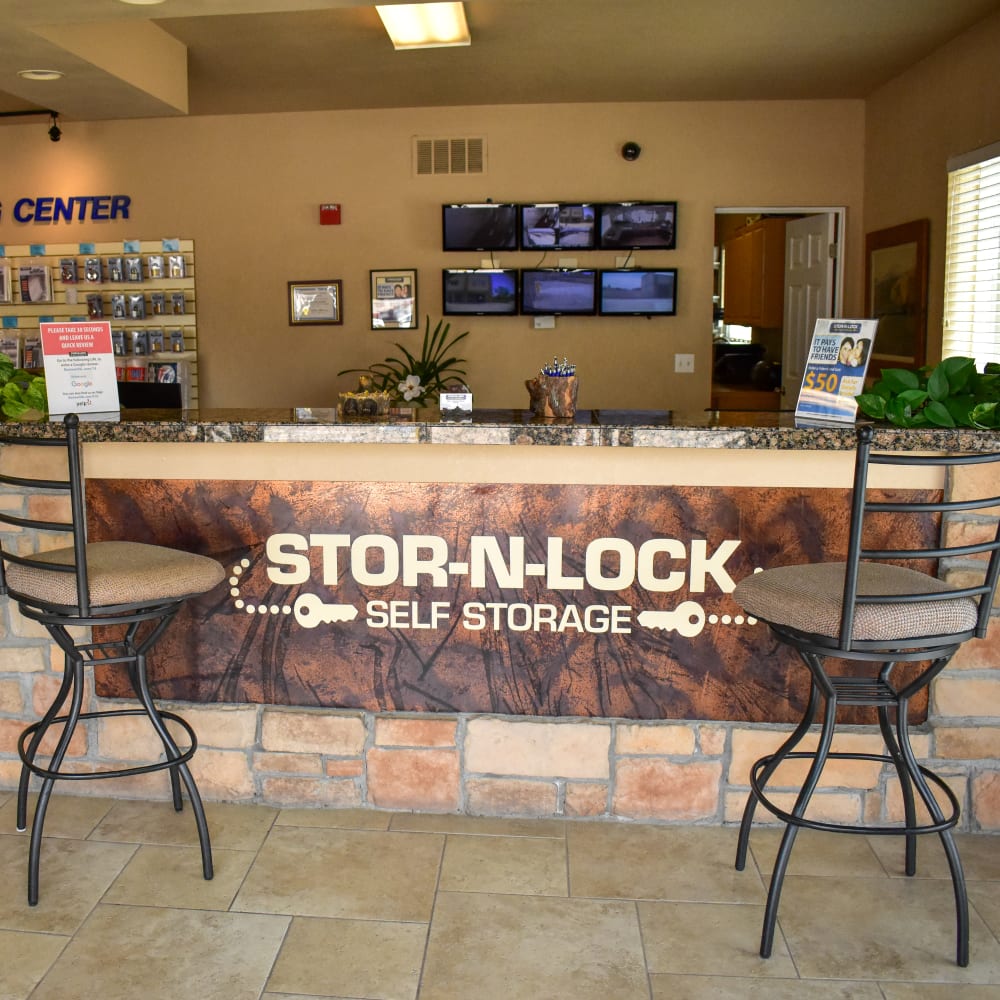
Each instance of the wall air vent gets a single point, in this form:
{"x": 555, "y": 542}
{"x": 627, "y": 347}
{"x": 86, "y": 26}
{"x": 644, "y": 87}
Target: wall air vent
{"x": 449, "y": 156}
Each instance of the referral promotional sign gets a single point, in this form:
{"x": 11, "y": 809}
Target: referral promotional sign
{"x": 835, "y": 369}
{"x": 80, "y": 370}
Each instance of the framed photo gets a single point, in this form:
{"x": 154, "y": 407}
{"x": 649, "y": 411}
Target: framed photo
{"x": 896, "y": 294}
{"x": 315, "y": 302}
{"x": 394, "y": 299}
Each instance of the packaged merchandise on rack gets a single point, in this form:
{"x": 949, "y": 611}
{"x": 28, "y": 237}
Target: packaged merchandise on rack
{"x": 68, "y": 271}
{"x": 93, "y": 271}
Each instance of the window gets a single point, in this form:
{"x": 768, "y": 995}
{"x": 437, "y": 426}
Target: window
{"x": 972, "y": 257}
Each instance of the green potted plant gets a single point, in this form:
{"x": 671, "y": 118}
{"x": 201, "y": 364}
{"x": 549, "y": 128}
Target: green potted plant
{"x": 949, "y": 394}
{"x": 415, "y": 380}
{"x": 22, "y": 393}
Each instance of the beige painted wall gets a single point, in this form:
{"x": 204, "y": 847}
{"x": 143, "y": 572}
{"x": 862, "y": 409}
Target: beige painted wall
{"x": 247, "y": 190}
{"x": 945, "y": 105}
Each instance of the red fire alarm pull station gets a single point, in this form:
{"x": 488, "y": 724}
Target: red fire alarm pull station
{"x": 329, "y": 215}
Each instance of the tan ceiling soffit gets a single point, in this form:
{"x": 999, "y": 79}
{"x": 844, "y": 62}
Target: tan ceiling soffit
{"x": 139, "y": 53}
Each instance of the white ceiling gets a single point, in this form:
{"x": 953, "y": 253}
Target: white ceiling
{"x": 204, "y": 57}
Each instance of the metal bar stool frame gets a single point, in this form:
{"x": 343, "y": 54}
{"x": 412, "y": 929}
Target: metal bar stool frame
{"x": 142, "y": 623}
{"x": 876, "y": 691}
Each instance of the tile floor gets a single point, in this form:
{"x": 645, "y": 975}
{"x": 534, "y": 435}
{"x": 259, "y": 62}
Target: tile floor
{"x": 394, "y": 906}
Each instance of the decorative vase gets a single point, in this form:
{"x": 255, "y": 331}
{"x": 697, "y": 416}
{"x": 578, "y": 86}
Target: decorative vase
{"x": 553, "y": 395}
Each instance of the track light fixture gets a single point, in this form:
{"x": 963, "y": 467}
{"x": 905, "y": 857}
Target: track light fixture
{"x": 55, "y": 132}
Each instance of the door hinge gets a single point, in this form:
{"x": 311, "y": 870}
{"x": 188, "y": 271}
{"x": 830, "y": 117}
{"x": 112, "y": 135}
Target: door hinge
{"x": 834, "y": 250}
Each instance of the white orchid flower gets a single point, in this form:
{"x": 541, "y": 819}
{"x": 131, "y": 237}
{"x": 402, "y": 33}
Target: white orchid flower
{"x": 411, "y": 388}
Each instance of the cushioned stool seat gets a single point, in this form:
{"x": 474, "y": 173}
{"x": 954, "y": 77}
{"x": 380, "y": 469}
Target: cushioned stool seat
{"x": 873, "y": 612}
{"x": 130, "y": 591}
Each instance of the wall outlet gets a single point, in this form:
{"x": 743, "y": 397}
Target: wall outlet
{"x": 684, "y": 363}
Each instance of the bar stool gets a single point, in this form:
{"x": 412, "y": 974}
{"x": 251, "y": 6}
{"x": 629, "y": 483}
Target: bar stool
{"x": 872, "y": 610}
{"x": 131, "y": 592}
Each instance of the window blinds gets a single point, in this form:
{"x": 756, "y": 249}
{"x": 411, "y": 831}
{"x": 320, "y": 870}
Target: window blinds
{"x": 972, "y": 258}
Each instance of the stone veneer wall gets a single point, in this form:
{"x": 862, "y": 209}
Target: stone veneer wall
{"x": 513, "y": 766}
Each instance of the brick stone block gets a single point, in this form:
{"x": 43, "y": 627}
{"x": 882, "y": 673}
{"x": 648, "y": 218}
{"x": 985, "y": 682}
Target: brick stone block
{"x": 510, "y": 797}
{"x": 45, "y": 687}
{"x": 51, "y": 508}
{"x": 586, "y": 799}
{"x": 229, "y": 727}
{"x": 133, "y": 738}
{"x": 827, "y": 807}
{"x": 969, "y": 532}
{"x": 293, "y": 791}
{"x": 25, "y": 628}
{"x": 979, "y": 654}
{"x": 223, "y": 775}
{"x": 661, "y": 738}
{"x": 985, "y": 798}
{"x": 317, "y": 731}
{"x": 288, "y": 763}
{"x": 34, "y": 463}
{"x": 967, "y": 743}
{"x": 750, "y": 744}
{"x": 25, "y": 659}
{"x": 712, "y": 740}
{"x": 420, "y": 780}
{"x": 571, "y": 749}
{"x": 893, "y": 804}
{"x": 11, "y": 696}
{"x": 652, "y": 788}
{"x": 339, "y": 768}
{"x": 965, "y": 696}
{"x": 421, "y": 732}
{"x": 972, "y": 481}
{"x": 10, "y": 731}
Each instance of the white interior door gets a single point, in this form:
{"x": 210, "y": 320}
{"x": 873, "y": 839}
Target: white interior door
{"x": 809, "y": 263}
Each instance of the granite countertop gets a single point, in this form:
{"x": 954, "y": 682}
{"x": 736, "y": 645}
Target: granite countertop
{"x": 590, "y": 428}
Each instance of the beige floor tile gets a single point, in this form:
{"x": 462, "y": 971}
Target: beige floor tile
{"x": 936, "y": 991}
{"x": 24, "y": 959}
{"x": 980, "y": 856}
{"x": 656, "y": 862}
{"x": 342, "y": 819}
{"x": 73, "y": 875}
{"x": 162, "y": 954}
{"x": 693, "y": 938}
{"x": 985, "y": 898}
{"x": 482, "y": 826}
{"x": 377, "y": 960}
{"x": 231, "y": 827}
{"x": 737, "y": 988}
{"x": 73, "y": 816}
{"x": 493, "y": 947}
{"x": 344, "y": 873}
{"x": 527, "y": 865}
{"x": 890, "y": 929}
{"x": 817, "y": 853}
{"x": 172, "y": 876}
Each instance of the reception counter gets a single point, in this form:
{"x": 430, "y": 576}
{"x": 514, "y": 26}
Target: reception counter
{"x": 505, "y": 615}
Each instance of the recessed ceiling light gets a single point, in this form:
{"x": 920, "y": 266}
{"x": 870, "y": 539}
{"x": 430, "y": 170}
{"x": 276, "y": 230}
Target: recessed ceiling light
{"x": 40, "y": 74}
{"x": 425, "y": 25}
{"x": 142, "y": 3}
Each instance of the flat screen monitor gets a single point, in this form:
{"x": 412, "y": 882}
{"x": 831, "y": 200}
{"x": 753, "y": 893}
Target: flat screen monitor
{"x": 637, "y": 225}
{"x": 480, "y": 292}
{"x": 479, "y": 227}
{"x": 558, "y": 292}
{"x": 638, "y": 291}
{"x": 558, "y": 226}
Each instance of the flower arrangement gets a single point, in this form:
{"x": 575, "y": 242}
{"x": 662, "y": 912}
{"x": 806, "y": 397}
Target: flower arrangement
{"x": 413, "y": 379}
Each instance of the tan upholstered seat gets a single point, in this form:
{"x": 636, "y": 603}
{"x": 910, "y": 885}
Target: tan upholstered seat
{"x": 809, "y": 598}
{"x": 118, "y": 573}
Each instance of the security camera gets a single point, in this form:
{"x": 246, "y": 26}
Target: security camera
{"x": 55, "y": 133}
{"x": 631, "y": 151}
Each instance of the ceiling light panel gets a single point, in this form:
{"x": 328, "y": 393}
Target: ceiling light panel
{"x": 425, "y": 25}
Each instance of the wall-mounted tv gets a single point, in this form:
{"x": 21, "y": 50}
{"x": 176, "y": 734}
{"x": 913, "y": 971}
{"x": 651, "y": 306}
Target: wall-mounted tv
{"x": 479, "y": 227}
{"x": 480, "y": 292}
{"x": 638, "y": 291}
{"x": 558, "y": 226}
{"x": 637, "y": 225}
{"x": 558, "y": 292}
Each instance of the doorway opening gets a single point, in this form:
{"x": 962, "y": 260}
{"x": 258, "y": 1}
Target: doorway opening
{"x": 777, "y": 269}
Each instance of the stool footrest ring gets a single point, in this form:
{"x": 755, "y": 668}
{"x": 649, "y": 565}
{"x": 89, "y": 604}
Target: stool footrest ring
{"x": 865, "y": 829}
{"x": 122, "y": 772}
